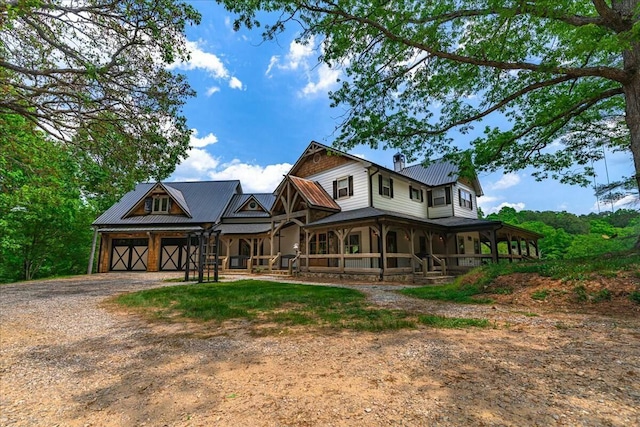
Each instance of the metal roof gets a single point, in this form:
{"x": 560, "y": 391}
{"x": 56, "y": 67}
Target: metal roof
{"x": 266, "y": 200}
{"x": 206, "y": 201}
{"x": 147, "y": 228}
{"x": 366, "y": 214}
{"x": 436, "y": 174}
{"x": 314, "y": 194}
{"x": 255, "y": 228}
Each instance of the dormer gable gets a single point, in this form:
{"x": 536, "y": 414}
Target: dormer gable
{"x": 318, "y": 158}
{"x": 160, "y": 199}
{"x": 252, "y": 204}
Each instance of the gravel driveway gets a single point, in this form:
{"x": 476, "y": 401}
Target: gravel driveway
{"x": 67, "y": 360}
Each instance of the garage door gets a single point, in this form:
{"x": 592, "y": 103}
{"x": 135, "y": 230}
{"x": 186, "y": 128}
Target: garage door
{"x": 173, "y": 253}
{"x": 129, "y": 254}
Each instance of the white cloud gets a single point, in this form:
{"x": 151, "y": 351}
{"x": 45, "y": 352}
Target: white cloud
{"x": 508, "y": 180}
{"x": 235, "y": 83}
{"x": 495, "y": 209}
{"x": 254, "y": 178}
{"x": 196, "y": 166}
{"x": 326, "y": 79}
{"x": 212, "y": 90}
{"x": 196, "y": 142}
{"x": 627, "y": 202}
{"x": 300, "y": 57}
{"x": 206, "y": 61}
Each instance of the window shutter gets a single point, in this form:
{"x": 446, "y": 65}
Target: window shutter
{"x": 391, "y": 188}
{"x": 411, "y": 192}
{"x": 169, "y": 205}
{"x": 380, "y": 184}
{"x": 471, "y": 205}
{"x": 351, "y": 185}
{"x": 430, "y": 198}
{"x": 459, "y": 197}
{"x": 335, "y": 190}
{"x": 421, "y": 195}
{"x": 148, "y": 204}
{"x": 447, "y": 195}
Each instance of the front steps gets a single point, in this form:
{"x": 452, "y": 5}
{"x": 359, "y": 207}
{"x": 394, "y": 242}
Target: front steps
{"x": 432, "y": 278}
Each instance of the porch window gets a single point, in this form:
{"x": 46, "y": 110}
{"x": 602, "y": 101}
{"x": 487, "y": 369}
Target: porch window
{"x": 160, "y": 204}
{"x": 318, "y": 244}
{"x": 465, "y": 199}
{"x": 352, "y": 244}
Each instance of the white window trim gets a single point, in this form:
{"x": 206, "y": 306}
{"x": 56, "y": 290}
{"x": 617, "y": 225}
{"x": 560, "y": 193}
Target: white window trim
{"x": 415, "y": 194}
{"x": 343, "y": 184}
{"x": 436, "y": 195}
{"x": 464, "y": 202}
{"x": 386, "y": 185}
{"x": 158, "y": 200}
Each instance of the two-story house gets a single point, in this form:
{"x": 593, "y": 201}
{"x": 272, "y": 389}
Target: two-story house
{"x": 333, "y": 213}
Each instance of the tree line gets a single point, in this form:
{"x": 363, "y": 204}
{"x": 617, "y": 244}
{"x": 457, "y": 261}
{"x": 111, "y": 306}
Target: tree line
{"x": 567, "y": 235}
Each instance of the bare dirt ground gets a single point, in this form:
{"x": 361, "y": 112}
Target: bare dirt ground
{"x": 67, "y": 359}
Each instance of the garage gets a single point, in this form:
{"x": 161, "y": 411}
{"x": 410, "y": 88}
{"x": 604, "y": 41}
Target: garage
{"x": 129, "y": 254}
{"x": 173, "y": 253}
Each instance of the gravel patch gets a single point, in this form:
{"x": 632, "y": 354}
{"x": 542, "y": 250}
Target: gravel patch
{"x": 66, "y": 359}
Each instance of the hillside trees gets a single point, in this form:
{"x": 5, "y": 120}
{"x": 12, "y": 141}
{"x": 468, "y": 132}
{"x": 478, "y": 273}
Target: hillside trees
{"x": 564, "y": 75}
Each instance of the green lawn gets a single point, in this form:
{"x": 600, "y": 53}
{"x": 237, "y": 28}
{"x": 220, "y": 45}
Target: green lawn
{"x": 265, "y": 302}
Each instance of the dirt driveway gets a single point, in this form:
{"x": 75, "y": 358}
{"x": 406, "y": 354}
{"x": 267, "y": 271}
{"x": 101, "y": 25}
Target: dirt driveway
{"x": 67, "y": 360}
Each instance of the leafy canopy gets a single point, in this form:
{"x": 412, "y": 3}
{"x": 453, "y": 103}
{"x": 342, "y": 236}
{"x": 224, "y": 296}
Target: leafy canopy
{"x": 561, "y": 74}
{"x": 92, "y": 73}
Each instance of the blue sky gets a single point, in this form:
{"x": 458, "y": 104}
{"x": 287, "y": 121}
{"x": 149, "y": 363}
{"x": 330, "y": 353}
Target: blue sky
{"x": 259, "y": 104}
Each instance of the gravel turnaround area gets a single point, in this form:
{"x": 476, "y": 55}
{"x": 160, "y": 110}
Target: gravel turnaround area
{"x": 67, "y": 359}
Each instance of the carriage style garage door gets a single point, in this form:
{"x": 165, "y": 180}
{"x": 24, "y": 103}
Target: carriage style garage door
{"x": 129, "y": 254}
{"x": 173, "y": 253}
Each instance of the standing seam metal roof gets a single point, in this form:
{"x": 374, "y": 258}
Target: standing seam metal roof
{"x": 206, "y": 201}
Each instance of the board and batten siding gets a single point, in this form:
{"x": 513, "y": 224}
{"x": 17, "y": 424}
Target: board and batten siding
{"x": 401, "y": 201}
{"x": 360, "y": 198}
{"x": 461, "y": 211}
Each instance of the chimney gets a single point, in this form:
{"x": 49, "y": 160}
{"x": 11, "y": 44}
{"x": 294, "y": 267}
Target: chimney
{"x": 398, "y": 162}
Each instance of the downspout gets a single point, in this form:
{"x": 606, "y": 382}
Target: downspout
{"x": 93, "y": 250}
{"x": 371, "y": 187}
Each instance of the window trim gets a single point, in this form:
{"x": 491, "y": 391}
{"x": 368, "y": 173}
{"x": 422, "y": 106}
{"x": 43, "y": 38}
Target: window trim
{"x": 157, "y": 205}
{"x": 342, "y": 186}
{"x": 437, "y": 196}
{"x": 348, "y": 246}
{"x": 464, "y": 202}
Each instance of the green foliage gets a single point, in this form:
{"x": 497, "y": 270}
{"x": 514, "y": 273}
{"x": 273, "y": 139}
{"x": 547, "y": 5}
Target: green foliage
{"x": 284, "y": 304}
{"x": 560, "y": 72}
{"x": 44, "y": 223}
{"x": 635, "y": 296}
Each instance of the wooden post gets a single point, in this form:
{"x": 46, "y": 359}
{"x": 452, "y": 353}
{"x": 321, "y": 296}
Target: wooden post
{"x": 493, "y": 240}
{"x": 93, "y": 250}
{"x": 509, "y": 250}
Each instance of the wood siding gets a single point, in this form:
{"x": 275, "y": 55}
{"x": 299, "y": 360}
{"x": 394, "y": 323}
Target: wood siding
{"x": 461, "y": 211}
{"x": 401, "y": 201}
{"x": 360, "y": 198}
{"x": 320, "y": 162}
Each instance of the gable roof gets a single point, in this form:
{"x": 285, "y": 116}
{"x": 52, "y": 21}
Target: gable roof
{"x": 315, "y": 147}
{"x": 265, "y": 200}
{"x": 206, "y": 201}
{"x": 313, "y": 193}
{"x": 175, "y": 194}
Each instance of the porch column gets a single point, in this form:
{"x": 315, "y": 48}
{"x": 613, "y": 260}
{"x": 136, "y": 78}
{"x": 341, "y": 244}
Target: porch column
{"x": 271, "y": 241}
{"x": 528, "y": 248}
{"x": 429, "y": 237}
{"x": 509, "y": 251}
{"x": 93, "y": 250}
{"x": 493, "y": 240}
{"x": 383, "y": 236}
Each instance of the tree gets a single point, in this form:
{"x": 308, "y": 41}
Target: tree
{"x": 92, "y": 74}
{"x": 565, "y": 74}
{"x": 44, "y": 221}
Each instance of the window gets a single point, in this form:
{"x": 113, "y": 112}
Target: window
{"x": 439, "y": 197}
{"x": 465, "y": 199}
{"x": 352, "y": 244}
{"x": 160, "y": 204}
{"x": 318, "y": 244}
{"x": 343, "y": 187}
{"x": 416, "y": 194}
{"x": 385, "y": 186}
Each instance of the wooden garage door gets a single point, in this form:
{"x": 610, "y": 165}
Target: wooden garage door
{"x": 129, "y": 254}
{"x": 173, "y": 253}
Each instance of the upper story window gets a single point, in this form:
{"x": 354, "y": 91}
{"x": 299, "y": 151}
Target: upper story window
{"x": 465, "y": 199}
{"x": 439, "y": 196}
{"x": 160, "y": 204}
{"x": 343, "y": 187}
{"x": 416, "y": 194}
{"x": 385, "y": 186}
